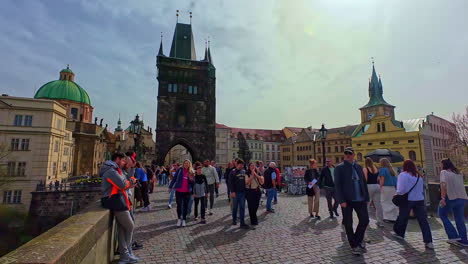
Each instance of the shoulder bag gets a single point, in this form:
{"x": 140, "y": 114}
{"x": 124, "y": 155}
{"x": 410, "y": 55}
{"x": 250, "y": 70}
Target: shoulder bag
{"x": 402, "y": 199}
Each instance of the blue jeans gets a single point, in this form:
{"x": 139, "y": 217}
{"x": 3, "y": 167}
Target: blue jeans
{"x": 419, "y": 209}
{"x": 457, "y": 206}
{"x": 270, "y": 195}
{"x": 171, "y": 196}
{"x": 238, "y": 202}
{"x": 164, "y": 179}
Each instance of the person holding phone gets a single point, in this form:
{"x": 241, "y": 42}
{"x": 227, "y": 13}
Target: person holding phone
{"x": 253, "y": 194}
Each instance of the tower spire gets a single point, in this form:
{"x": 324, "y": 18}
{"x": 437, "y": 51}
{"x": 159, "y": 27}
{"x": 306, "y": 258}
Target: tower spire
{"x": 375, "y": 89}
{"x": 160, "y": 52}
{"x": 209, "y": 52}
{"x": 190, "y": 17}
{"x": 206, "y": 51}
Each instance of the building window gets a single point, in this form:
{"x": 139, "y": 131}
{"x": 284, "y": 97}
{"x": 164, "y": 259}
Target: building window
{"x": 12, "y": 197}
{"x": 14, "y": 144}
{"x": 190, "y": 89}
{"x": 378, "y": 127}
{"x": 233, "y": 144}
{"x": 169, "y": 87}
{"x": 64, "y": 166}
{"x": 329, "y": 149}
{"x": 319, "y": 150}
{"x": 369, "y": 144}
{"x": 411, "y": 141}
{"x": 174, "y": 88}
{"x": 25, "y": 144}
{"x": 74, "y": 113}
{"x": 396, "y": 142}
{"x": 336, "y": 149}
{"x": 59, "y": 124}
{"x": 359, "y": 156}
{"x": 320, "y": 160}
{"x": 382, "y": 143}
{"x": 54, "y": 168}
{"x": 383, "y": 127}
{"x": 342, "y": 148}
{"x": 412, "y": 155}
{"x": 195, "y": 89}
{"x": 358, "y": 145}
{"x": 56, "y": 146}
{"x": 337, "y": 160}
{"x": 65, "y": 151}
{"x": 18, "y": 120}
{"x": 21, "y": 169}
{"x": 11, "y": 166}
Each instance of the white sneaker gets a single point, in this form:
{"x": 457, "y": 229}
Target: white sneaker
{"x": 169, "y": 206}
{"x": 179, "y": 222}
{"x": 429, "y": 245}
{"x": 380, "y": 224}
{"x": 195, "y": 219}
{"x": 183, "y": 223}
{"x": 133, "y": 257}
{"x": 453, "y": 241}
{"x": 145, "y": 209}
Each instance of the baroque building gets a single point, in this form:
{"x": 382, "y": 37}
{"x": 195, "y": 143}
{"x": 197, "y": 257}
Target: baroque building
{"x": 186, "y": 111}
{"x": 35, "y": 147}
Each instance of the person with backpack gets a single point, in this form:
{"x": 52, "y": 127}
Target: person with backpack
{"x": 200, "y": 192}
{"x": 253, "y": 193}
{"x": 410, "y": 183}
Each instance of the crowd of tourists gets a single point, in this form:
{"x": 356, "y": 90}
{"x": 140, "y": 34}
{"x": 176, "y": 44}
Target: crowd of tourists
{"x": 348, "y": 185}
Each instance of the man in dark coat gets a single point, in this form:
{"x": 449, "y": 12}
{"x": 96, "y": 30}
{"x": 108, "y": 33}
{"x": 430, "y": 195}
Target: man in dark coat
{"x": 352, "y": 194}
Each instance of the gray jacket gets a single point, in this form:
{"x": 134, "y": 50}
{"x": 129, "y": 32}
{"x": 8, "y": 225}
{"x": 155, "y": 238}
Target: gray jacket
{"x": 109, "y": 171}
{"x": 211, "y": 174}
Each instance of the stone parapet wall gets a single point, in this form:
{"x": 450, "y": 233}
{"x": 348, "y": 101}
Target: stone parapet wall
{"x": 83, "y": 238}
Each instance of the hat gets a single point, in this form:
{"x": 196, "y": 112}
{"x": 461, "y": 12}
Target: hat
{"x": 349, "y": 150}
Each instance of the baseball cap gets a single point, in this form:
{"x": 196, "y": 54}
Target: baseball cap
{"x": 349, "y": 150}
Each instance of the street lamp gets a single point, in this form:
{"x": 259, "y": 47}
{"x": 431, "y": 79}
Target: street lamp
{"x": 323, "y": 135}
{"x": 135, "y": 129}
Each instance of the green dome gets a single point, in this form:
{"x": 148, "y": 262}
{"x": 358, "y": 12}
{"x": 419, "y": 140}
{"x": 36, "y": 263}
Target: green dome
{"x": 63, "y": 89}
{"x": 66, "y": 70}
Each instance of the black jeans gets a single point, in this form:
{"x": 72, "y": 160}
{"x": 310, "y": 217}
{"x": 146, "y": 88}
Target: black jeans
{"x": 419, "y": 210}
{"x": 144, "y": 193}
{"x": 211, "y": 191}
{"x": 253, "y": 201}
{"x": 202, "y": 201}
{"x": 355, "y": 238}
{"x": 330, "y": 194}
{"x": 182, "y": 200}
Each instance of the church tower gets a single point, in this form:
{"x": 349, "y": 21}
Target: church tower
{"x": 186, "y": 113}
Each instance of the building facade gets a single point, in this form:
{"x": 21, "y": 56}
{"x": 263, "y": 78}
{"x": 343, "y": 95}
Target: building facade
{"x": 37, "y": 147}
{"x": 222, "y": 141}
{"x": 379, "y": 129}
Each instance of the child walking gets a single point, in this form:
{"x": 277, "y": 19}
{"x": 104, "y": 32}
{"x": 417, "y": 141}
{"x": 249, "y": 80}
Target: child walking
{"x": 200, "y": 192}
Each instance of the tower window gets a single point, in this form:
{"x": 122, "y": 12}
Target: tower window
{"x": 195, "y": 89}
{"x": 383, "y": 127}
{"x": 74, "y": 113}
{"x": 378, "y": 127}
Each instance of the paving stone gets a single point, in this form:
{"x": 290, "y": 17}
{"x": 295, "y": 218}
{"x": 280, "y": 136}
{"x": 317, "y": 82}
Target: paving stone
{"x": 287, "y": 236}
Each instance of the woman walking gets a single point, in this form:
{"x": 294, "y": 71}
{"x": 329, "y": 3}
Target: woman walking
{"x": 453, "y": 199}
{"x": 372, "y": 178}
{"x": 388, "y": 182}
{"x": 311, "y": 178}
{"x": 183, "y": 183}
{"x": 253, "y": 193}
{"x": 411, "y": 183}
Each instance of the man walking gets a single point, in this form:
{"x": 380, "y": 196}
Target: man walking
{"x": 328, "y": 184}
{"x": 213, "y": 182}
{"x": 270, "y": 185}
{"x": 237, "y": 181}
{"x": 220, "y": 175}
{"x": 352, "y": 194}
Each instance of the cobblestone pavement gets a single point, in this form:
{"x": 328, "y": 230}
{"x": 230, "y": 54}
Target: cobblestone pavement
{"x": 287, "y": 236}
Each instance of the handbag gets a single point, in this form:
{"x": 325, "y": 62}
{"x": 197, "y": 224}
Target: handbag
{"x": 402, "y": 199}
{"x": 115, "y": 202}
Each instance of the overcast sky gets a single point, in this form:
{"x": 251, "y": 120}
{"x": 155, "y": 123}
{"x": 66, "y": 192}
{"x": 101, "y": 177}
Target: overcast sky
{"x": 279, "y": 63}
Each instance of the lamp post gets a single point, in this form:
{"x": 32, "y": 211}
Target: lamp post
{"x": 135, "y": 129}
{"x": 323, "y": 135}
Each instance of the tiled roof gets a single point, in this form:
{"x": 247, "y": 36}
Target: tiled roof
{"x": 258, "y": 134}
{"x": 221, "y": 126}
{"x": 295, "y": 130}
{"x": 346, "y": 130}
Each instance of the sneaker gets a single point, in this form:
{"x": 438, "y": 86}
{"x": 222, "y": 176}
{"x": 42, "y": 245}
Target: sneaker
{"x": 454, "y": 241}
{"x": 145, "y": 209}
{"x": 395, "y": 235}
{"x": 133, "y": 257}
{"x": 234, "y": 223}
{"x": 318, "y": 217}
{"x": 169, "y": 206}
{"x": 195, "y": 219}
{"x": 356, "y": 251}
{"x": 183, "y": 223}
{"x": 380, "y": 224}
{"x": 127, "y": 259}
{"x": 203, "y": 221}
{"x": 179, "y": 222}
{"x": 312, "y": 216}
{"x": 429, "y": 246}
{"x": 136, "y": 245}
{"x": 336, "y": 212}
{"x": 271, "y": 210}
{"x": 362, "y": 246}
{"x": 209, "y": 212}
{"x": 331, "y": 215}
{"x": 462, "y": 243}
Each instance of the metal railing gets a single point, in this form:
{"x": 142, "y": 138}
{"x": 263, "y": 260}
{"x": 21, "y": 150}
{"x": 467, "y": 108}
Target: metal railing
{"x": 60, "y": 187}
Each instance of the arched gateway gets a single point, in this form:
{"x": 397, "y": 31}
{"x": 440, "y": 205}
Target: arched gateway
{"x": 186, "y": 99}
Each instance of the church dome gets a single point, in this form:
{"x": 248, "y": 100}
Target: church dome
{"x": 64, "y": 89}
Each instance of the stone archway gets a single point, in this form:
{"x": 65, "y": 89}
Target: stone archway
{"x": 165, "y": 150}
